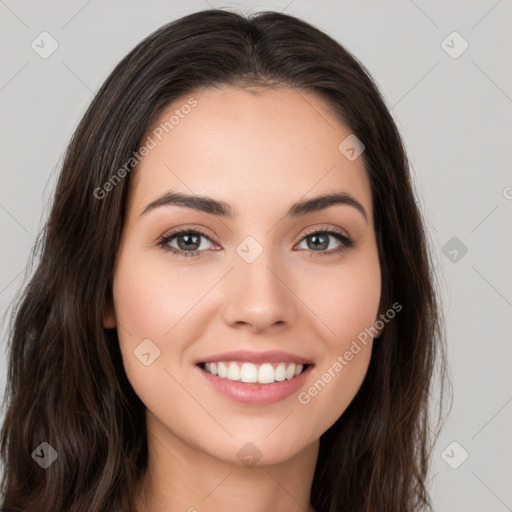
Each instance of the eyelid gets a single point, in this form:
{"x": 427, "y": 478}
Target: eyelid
{"x": 309, "y": 231}
{"x": 187, "y": 229}
{"x": 324, "y": 228}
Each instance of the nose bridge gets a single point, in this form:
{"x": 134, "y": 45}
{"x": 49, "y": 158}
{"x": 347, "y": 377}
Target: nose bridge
{"x": 256, "y": 292}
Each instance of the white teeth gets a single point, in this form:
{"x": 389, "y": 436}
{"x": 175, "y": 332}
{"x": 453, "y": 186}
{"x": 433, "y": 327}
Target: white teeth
{"x": 280, "y": 372}
{"x": 222, "y": 370}
{"x": 266, "y": 373}
{"x": 249, "y": 373}
{"x": 233, "y": 372}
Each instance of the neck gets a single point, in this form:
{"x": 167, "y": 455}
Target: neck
{"x": 183, "y": 478}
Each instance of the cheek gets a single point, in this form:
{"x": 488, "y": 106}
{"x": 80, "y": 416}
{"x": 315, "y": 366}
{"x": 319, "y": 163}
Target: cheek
{"x": 335, "y": 386}
{"x": 146, "y": 309}
{"x": 145, "y": 312}
{"x": 337, "y": 377}
{"x": 156, "y": 302}
{"x": 348, "y": 305}
{"x": 151, "y": 298}
{"x": 345, "y": 298}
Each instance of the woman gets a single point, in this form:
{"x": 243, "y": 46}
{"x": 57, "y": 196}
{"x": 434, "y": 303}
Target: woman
{"x": 234, "y": 307}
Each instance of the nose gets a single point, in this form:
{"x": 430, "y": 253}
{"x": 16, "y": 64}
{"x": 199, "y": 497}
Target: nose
{"x": 259, "y": 295}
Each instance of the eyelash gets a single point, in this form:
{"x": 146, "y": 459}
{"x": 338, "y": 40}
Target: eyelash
{"x": 345, "y": 242}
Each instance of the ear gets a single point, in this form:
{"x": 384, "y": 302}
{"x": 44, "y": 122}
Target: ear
{"x": 109, "y": 315}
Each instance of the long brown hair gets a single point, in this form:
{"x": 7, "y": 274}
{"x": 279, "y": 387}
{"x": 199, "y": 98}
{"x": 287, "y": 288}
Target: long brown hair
{"x": 66, "y": 383}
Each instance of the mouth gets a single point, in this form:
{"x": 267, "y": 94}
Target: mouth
{"x": 255, "y": 378}
{"x": 250, "y": 373}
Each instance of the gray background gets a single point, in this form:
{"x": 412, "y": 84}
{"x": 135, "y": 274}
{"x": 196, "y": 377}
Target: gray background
{"x": 455, "y": 118}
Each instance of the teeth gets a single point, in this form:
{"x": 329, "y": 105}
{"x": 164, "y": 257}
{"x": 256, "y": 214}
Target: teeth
{"x": 248, "y": 373}
{"x": 233, "y": 372}
{"x": 281, "y": 372}
{"x": 266, "y": 373}
{"x": 222, "y": 370}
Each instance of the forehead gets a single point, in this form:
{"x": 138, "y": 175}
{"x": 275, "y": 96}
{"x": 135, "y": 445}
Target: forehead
{"x": 250, "y": 148}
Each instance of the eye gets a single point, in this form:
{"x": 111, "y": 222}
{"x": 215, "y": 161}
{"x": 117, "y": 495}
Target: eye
{"x": 320, "y": 240}
{"x": 188, "y": 242}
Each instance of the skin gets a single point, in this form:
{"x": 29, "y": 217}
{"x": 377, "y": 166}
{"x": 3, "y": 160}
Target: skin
{"x": 260, "y": 153}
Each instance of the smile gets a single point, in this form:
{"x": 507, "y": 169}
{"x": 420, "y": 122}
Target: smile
{"x": 261, "y": 382}
{"x": 265, "y": 373}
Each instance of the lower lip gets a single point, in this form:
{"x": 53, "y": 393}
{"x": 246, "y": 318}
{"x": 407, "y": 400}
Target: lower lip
{"x": 256, "y": 394}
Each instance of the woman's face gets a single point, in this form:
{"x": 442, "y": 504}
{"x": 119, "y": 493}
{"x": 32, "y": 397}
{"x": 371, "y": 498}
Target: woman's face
{"x": 256, "y": 286}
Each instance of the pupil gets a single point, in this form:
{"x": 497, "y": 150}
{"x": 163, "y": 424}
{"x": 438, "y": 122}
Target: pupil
{"x": 323, "y": 245}
{"x": 189, "y": 241}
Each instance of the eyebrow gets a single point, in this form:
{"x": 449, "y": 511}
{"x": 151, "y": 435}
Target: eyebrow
{"x": 222, "y": 209}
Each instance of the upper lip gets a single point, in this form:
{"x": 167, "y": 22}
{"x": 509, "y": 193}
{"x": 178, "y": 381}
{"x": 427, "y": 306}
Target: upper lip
{"x": 272, "y": 356}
